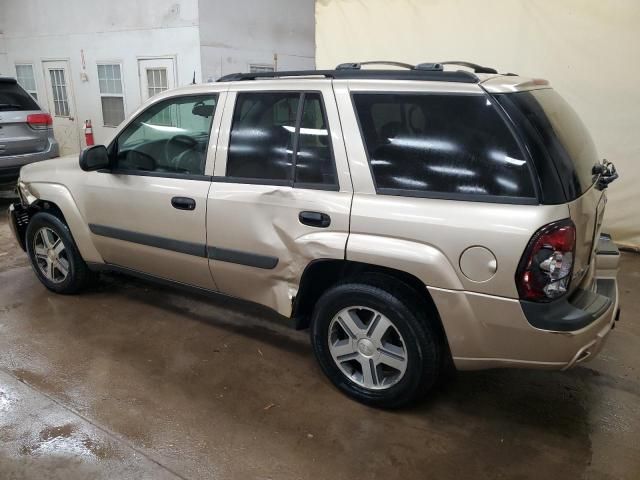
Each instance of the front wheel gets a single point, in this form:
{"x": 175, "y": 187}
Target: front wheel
{"x": 54, "y": 257}
{"x": 376, "y": 343}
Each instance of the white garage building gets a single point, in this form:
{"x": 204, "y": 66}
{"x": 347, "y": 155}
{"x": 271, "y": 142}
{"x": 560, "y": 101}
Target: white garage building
{"x": 100, "y": 60}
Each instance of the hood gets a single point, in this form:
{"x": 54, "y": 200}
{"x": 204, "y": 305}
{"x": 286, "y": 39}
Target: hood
{"x": 52, "y": 171}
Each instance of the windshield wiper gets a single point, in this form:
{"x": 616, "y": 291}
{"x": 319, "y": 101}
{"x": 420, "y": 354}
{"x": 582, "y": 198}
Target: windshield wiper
{"x": 10, "y": 105}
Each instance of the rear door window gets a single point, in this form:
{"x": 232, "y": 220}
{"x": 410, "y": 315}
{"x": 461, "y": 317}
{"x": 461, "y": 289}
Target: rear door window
{"x": 281, "y": 138}
{"x": 442, "y": 146}
{"x": 14, "y": 98}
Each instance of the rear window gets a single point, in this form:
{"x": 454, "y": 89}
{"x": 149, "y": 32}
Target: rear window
{"x": 564, "y": 136}
{"x": 442, "y": 146}
{"x": 13, "y": 97}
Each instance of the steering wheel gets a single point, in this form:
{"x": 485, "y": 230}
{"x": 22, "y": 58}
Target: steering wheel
{"x": 137, "y": 160}
{"x": 184, "y": 142}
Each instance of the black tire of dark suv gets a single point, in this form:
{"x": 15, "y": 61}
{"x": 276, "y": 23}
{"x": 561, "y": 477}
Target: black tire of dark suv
{"x": 399, "y": 304}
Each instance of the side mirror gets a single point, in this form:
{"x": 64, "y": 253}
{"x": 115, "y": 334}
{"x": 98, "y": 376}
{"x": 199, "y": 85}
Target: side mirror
{"x": 93, "y": 158}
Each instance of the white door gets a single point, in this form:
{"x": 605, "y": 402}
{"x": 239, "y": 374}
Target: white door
{"x": 156, "y": 75}
{"x": 57, "y": 77}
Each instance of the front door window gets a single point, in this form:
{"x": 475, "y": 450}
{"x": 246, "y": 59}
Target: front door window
{"x": 169, "y": 137}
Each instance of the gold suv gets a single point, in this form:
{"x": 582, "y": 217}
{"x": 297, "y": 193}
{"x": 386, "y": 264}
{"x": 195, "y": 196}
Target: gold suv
{"x": 413, "y": 218}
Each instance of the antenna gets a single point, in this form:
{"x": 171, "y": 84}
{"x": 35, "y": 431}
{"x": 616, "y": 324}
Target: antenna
{"x": 194, "y": 78}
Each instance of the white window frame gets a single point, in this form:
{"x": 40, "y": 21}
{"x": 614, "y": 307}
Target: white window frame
{"x": 262, "y": 67}
{"x": 35, "y": 82}
{"x": 112, "y": 95}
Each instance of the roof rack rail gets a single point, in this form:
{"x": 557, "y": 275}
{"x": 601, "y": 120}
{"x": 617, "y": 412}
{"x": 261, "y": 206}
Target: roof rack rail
{"x": 358, "y": 65}
{"x": 476, "y": 68}
{"x": 424, "y": 74}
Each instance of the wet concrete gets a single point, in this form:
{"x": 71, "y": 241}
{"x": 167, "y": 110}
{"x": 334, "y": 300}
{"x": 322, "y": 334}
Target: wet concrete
{"x": 134, "y": 380}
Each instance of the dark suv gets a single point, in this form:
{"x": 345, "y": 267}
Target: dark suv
{"x": 26, "y": 133}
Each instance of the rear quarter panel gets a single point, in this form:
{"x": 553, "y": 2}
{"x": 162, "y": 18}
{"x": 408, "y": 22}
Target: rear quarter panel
{"x": 426, "y": 237}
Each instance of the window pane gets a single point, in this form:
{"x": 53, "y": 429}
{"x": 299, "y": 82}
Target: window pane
{"x": 59, "y": 91}
{"x": 261, "y": 145}
{"x": 179, "y": 146}
{"x": 25, "y": 77}
{"x": 314, "y": 163}
{"x": 156, "y": 81}
{"x": 109, "y": 79}
{"x": 112, "y": 111}
{"x": 441, "y": 143}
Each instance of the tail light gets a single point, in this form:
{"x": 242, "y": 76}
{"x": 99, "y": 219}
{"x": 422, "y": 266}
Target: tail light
{"x": 39, "y": 121}
{"x": 546, "y": 265}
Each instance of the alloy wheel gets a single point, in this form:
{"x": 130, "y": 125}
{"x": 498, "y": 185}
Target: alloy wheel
{"x": 367, "y": 347}
{"x": 51, "y": 255}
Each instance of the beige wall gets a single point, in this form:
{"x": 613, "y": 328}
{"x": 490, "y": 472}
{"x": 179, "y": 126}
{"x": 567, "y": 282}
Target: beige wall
{"x": 588, "y": 49}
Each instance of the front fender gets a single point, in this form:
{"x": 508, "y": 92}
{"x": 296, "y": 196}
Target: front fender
{"x": 60, "y": 196}
{"x": 423, "y": 261}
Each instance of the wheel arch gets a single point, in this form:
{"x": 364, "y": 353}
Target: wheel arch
{"x": 57, "y": 200}
{"x": 322, "y": 274}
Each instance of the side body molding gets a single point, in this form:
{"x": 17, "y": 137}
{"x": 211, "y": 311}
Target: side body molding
{"x": 61, "y": 196}
{"x": 421, "y": 260}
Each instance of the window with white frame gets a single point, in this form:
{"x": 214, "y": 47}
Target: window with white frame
{"x": 255, "y": 68}
{"x": 111, "y": 94}
{"x": 27, "y": 79}
{"x": 157, "y": 81}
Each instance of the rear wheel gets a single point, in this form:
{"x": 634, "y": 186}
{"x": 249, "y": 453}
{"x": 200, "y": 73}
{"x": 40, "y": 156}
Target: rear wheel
{"x": 376, "y": 343}
{"x": 54, "y": 256}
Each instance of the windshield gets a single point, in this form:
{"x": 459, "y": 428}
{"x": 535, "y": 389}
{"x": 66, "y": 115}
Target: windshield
{"x": 563, "y": 134}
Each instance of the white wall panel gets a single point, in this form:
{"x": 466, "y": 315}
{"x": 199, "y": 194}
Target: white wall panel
{"x": 588, "y": 49}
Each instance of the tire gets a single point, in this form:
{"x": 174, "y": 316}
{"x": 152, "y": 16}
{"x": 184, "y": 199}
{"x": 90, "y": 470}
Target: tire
{"x": 408, "y": 325}
{"x": 69, "y": 273}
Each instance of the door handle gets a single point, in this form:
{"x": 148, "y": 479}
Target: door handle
{"x": 183, "y": 203}
{"x": 315, "y": 219}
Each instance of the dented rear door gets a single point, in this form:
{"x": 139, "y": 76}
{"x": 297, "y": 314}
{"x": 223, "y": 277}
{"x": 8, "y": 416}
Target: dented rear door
{"x": 281, "y": 194}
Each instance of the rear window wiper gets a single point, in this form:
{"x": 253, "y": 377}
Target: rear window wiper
{"x": 606, "y": 172}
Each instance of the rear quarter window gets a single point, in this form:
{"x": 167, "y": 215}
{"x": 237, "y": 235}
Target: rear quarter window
{"x": 442, "y": 146}
{"x": 562, "y": 134}
{"x": 14, "y": 98}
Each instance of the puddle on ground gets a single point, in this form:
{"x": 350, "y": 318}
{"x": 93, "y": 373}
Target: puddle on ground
{"x": 67, "y": 439}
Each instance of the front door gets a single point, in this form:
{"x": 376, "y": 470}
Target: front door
{"x": 148, "y": 213}
{"x": 156, "y": 75}
{"x": 281, "y": 194}
{"x": 60, "y": 98}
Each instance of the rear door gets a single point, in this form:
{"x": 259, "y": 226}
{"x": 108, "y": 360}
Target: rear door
{"x": 281, "y": 194}
{"x": 16, "y": 136}
{"x": 57, "y": 77}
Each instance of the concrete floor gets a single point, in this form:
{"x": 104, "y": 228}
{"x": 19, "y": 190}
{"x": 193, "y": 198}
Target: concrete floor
{"x": 133, "y": 380}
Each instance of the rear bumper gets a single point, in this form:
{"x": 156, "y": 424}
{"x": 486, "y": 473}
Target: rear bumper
{"x": 10, "y": 165}
{"x": 485, "y": 331}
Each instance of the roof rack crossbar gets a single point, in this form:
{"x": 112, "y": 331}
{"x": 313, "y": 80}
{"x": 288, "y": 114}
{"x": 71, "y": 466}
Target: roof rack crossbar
{"x": 476, "y": 68}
